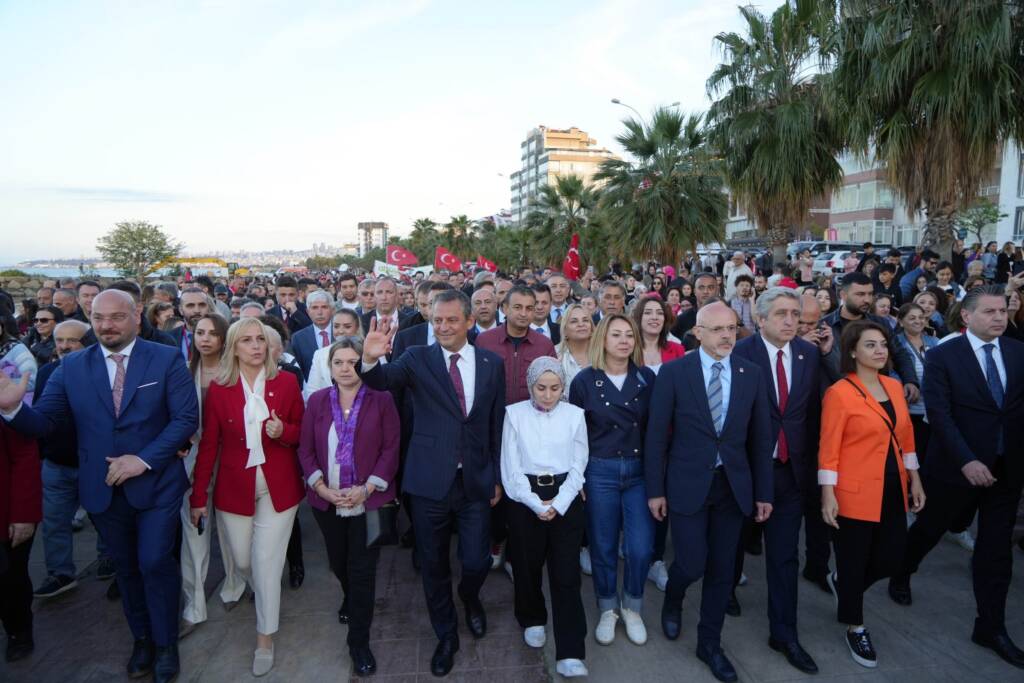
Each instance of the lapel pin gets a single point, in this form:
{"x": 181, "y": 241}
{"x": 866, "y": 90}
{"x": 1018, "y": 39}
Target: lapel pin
{"x": 741, "y": 369}
{"x": 599, "y": 383}
{"x": 800, "y": 357}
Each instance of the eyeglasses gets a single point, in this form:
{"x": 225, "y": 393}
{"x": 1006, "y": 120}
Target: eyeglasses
{"x": 43, "y": 320}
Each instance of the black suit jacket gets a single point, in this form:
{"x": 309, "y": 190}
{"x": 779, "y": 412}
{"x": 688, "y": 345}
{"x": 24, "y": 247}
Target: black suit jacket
{"x": 556, "y": 332}
{"x": 964, "y": 417}
{"x": 685, "y": 323}
{"x": 367, "y": 317}
{"x": 297, "y": 320}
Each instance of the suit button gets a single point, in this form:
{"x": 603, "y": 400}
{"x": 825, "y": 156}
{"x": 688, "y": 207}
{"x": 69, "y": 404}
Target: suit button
{"x": 615, "y": 426}
{"x": 636, "y": 450}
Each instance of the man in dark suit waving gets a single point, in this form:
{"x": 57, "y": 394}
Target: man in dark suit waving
{"x": 707, "y": 459}
{"x": 974, "y": 395}
{"x": 133, "y": 405}
{"x": 452, "y": 464}
{"x": 790, "y": 368}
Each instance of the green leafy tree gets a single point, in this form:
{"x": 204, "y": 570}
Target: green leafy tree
{"x": 458, "y": 237}
{"x": 769, "y": 123}
{"x": 423, "y": 239}
{"x": 135, "y": 247}
{"x": 670, "y": 196}
{"x": 975, "y": 219}
{"x": 559, "y": 211}
{"x": 932, "y": 90}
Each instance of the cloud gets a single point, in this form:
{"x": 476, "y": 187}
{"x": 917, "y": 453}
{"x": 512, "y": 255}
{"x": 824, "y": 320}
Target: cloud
{"x": 117, "y": 194}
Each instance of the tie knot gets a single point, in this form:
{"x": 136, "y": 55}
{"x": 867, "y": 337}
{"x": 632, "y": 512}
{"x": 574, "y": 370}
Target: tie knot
{"x": 117, "y": 357}
{"x": 717, "y": 367}
{"x": 989, "y": 348}
{"x": 780, "y": 354}
{"x": 454, "y": 358}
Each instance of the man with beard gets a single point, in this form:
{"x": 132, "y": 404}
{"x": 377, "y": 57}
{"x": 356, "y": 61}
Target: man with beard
{"x": 193, "y": 305}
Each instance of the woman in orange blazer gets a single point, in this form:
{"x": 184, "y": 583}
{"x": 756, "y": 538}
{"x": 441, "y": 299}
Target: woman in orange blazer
{"x": 865, "y": 458}
{"x": 252, "y": 418}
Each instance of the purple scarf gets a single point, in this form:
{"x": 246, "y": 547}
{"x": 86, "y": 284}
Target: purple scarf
{"x": 346, "y": 430}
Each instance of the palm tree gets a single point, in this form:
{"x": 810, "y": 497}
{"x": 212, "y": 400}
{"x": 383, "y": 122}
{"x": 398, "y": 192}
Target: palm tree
{"x": 423, "y": 239}
{"x": 769, "y": 124}
{"x": 458, "y": 236}
{"x": 670, "y": 197}
{"x": 931, "y": 90}
{"x": 559, "y": 211}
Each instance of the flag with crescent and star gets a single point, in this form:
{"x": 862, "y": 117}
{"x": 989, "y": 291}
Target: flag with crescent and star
{"x": 571, "y": 265}
{"x": 481, "y": 262}
{"x": 400, "y": 256}
{"x": 446, "y": 260}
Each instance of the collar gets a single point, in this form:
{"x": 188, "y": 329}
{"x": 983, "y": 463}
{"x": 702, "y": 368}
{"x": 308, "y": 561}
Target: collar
{"x": 977, "y": 342}
{"x": 465, "y": 353}
{"x": 326, "y": 328}
{"x": 126, "y": 351}
{"x": 773, "y": 350}
{"x": 538, "y": 328}
{"x": 481, "y": 328}
{"x": 393, "y": 316}
{"x": 706, "y": 361}
{"x": 524, "y": 338}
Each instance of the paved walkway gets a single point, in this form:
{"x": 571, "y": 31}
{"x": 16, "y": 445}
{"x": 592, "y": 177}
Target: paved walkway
{"x": 80, "y": 636}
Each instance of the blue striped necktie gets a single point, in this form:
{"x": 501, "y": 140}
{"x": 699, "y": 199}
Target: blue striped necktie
{"x": 715, "y": 396}
{"x": 995, "y": 387}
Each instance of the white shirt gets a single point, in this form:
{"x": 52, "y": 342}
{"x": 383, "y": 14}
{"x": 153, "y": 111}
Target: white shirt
{"x": 350, "y": 305}
{"x": 997, "y": 355}
{"x": 544, "y": 329}
{"x": 481, "y": 328}
{"x": 538, "y": 442}
{"x": 467, "y": 368}
{"x": 393, "y": 318}
{"x": 618, "y": 380}
{"x": 320, "y": 338}
{"x": 112, "y": 366}
{"x": 787, "y": 365}
{"x": 319, "y": 374}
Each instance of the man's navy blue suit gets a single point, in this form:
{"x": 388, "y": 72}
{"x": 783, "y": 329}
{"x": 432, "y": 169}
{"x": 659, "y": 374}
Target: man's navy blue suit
{"x": 706, "y": 503}
{"x": 304, "y": 344}
{"x": 138, "y": 519}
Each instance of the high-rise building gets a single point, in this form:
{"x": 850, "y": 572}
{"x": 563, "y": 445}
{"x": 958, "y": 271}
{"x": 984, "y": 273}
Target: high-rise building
{"x": 547, "y": 153}
{"x": 372, "y": 235}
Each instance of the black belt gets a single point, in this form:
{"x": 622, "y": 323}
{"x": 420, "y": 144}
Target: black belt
{"x": 546, "y": 484}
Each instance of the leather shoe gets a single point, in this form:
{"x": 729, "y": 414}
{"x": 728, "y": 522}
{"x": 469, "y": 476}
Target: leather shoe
{"x": 721, "y": 667}
{"x": 296, "y": 575}
{"x": 166, "y": 667}
{"x": 1002, "y": 646}
{"x": 141, "y": 661}
{"x": 899, "y": 591}
{"x": 343, "y": 612}
{"x": 795, "y": 655}
{"x": 732, "y": 608}
{"x": 671, "y": 618}
{"x": 363, "y": 663}
{"x": 818, "y": 580}
{"x": 444, "y": 656}
{"x": 19, "y": 646}
{"x": 476, "y": 618}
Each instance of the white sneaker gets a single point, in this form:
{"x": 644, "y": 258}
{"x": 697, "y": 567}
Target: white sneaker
{"x": 508, "y": 570}
{"x": 635, "y": 629}
{"x": 535, "y": 636}
{"x": 962, "y": 539}
{"x": 570, "y": 668}
{"x": 658, "y": 575}
{"x": 605, "y": 631}
{"x": 743, "y": 579}
{"x": 585, "y": 565}
{"x": 496, "y": 555}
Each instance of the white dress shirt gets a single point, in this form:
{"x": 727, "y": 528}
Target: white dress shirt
{"x": 538, "y": 442}
{"x": 112, "y": 366}
{"x": 319, "y": 373}
{"x": 997, "y": 355}
{"x": 320, "y": 338}
{"x": 467, "y": 368}
{"x": 787, "y": 365}
{"x": 544, "y": 329}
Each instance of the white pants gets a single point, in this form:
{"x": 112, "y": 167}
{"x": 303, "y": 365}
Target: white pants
{"x": 195, "y": 560}
{"x": 258, "y": 546}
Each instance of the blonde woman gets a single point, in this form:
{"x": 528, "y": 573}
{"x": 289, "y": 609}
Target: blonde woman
{"x": 574, "y": 349}
{"x": 251, "y": 425}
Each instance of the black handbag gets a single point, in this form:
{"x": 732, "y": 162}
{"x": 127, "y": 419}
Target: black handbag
{"x": 382, "y": 525}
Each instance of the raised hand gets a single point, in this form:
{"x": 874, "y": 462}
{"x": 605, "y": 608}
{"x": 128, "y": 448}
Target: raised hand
{"x": 274, "y": 426}
{"x": 11, "y": 393}
{"x": 377, "y": 343}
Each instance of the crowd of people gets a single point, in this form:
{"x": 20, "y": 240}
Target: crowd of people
{"x": 545, "y": 422}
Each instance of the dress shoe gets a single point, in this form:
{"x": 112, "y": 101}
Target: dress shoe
{"x": 262, "y": 661}
{"x": 899, "y": 591}
{"x": 363, "y": 663}
{"x": 1002, "y": 646}
{"x": 166, "y": 667}
{"x": 795, "y": 655}
{"x": 141, "y": 661}
{"x": 296, "y": 575}
{"x": 721, "y": 667}
{"x": 113, "y": 591}
{"x": 19, "y": 647}
{"x": 476, "y": 618}
{"x": 343, "y": 612}
{"x": 444, "y": 656}
{"x": 818, "y": 580}
{"x": 732, "y": 608}
{"x": 671, "y": 618}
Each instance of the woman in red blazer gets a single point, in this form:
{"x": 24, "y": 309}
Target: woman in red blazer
{"x": 865, "y": 459}
{"x": 251, "y": 422}
{"x": 349, "y": 456}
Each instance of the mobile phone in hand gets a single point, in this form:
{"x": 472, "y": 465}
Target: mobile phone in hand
{"x": 202, "y": 525}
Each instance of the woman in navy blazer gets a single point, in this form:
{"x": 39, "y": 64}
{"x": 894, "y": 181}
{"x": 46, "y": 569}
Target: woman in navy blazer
{"x": 349, "y": 456}
{"x": 615, "y": 392}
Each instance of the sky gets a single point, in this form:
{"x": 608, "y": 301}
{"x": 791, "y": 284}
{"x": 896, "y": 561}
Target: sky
{"x": 265, "y": 124}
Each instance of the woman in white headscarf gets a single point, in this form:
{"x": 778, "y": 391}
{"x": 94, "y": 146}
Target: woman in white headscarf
{"x": 543, "y": 458}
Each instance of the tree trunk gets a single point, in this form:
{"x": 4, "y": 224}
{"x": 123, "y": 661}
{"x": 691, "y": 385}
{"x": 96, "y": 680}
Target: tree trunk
{"x": 939, "y": 232}
{"x": 778, "y": 239}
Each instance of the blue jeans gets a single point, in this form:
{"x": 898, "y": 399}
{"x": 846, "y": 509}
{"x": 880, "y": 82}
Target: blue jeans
{"x": 60, "y": 502}
{"x": 617, "y": 501}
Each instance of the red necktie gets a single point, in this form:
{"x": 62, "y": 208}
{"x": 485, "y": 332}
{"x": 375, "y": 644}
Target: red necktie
{"x": 323, "y": 335}
{"x": 460, "y": 391}
{"x": 780, "y": 370}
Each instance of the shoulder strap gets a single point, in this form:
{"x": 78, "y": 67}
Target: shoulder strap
{"x": 892, "y": 432}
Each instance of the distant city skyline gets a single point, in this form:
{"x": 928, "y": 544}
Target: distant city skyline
{"x": 241, "y": 125}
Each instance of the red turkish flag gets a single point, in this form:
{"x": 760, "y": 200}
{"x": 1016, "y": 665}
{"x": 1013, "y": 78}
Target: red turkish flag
{"x": 481, "y": 262}
{"x": 445, "y": 260}
{"x": 400, "y": 256}
{"x": 571, "y": 265}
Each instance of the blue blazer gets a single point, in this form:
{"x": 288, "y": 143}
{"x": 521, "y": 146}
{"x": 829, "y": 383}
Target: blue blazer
{"x": 616, "y": 420}
{"x": 159, "y": 414}
{"x": 682, "y": 445}
{"x": 304, "y": 346}
{"x": 441, "y": 436}
{"x": 964, "y": 417}
{"x": 802, "y": 419}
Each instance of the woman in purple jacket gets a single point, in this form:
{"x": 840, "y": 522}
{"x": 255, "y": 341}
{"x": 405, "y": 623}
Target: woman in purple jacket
{"x": 349, "y": 456}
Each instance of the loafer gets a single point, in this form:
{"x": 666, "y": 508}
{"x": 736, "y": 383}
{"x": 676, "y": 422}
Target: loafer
{"x": 721, "y": 667}
{"x": 363, "y": 662}
{"x": 476, "y": 618}
{"x": 571, "y": 668}
{"x": 671, "y": 618}
{"x": 262, "y": 661}
{"x": 296, "y": 575}
{"x": 444, "y": 656}
{"x": 795, "y": 655}
{"x": 18, "y": 647}
{"x": 166, "y": 666}
{"x": 818, "y": 580}
{"x": 1002, "y": 646}
{"x": 899, "y": 591}
{"x": 141, "y": 662}
{"x": 732, "y": 608}
{"x": 343, "y": 612}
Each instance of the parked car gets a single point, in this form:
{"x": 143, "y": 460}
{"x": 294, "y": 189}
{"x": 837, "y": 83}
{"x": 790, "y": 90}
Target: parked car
{"x": 831, "y": 262}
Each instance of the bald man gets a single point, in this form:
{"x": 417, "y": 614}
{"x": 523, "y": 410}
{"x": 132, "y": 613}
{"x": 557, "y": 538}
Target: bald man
{"x": 133, "y": 405}
{"x": 708, "y": 464}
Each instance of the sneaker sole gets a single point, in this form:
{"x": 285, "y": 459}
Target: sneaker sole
{"x": 866, "y": 663}
{"x": 62, "y": 589}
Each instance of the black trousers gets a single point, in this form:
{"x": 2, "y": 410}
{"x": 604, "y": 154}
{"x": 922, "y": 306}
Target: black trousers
{"x": 922, "y": 432}
{"x": 817, "y": 536}
{"x": 432, "y": 521}
{"x": 16, "y": 590}
{"x": 557, "y": 543}
{"x": 869, "y": 551}
{"x": 355, "y": 565}
{"x": 294, "y": 553}
{"x": 993, "y": 549}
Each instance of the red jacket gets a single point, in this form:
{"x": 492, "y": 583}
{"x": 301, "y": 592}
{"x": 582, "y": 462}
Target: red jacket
{"x": 21, "y": 486}
{"x": 533, "y": 346}
{"x": 224, "y": 432}
{"x": 671, "y": 351}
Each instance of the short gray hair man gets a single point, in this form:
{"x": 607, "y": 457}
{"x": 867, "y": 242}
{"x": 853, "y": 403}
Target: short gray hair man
{"x": 320, "y": 295}
{"x": 770, "y": 296}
